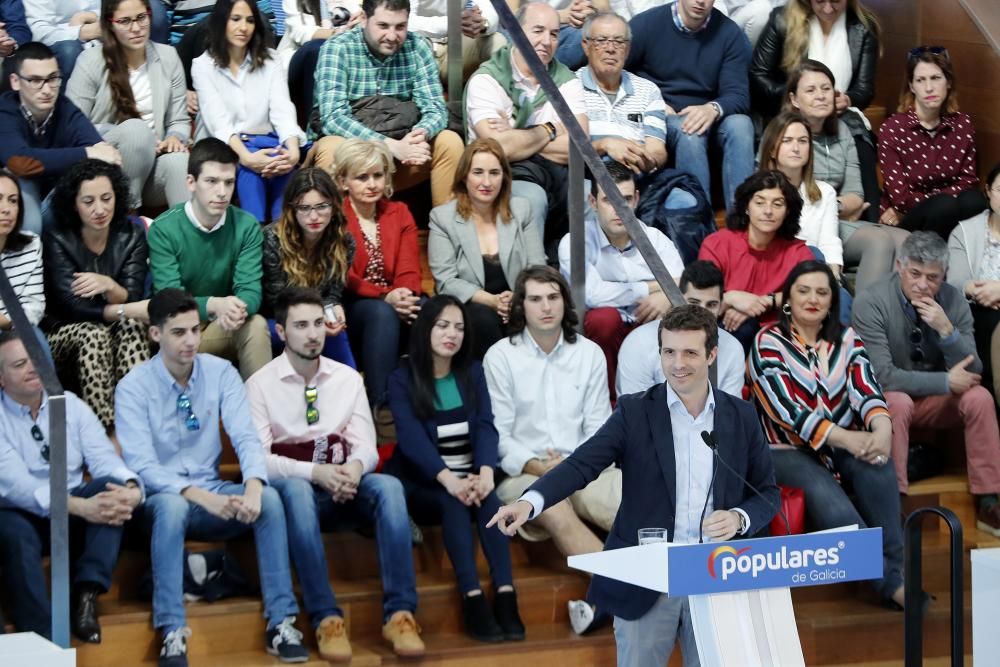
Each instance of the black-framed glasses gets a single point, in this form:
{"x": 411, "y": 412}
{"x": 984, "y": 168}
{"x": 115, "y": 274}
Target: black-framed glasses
{"x": 312, "y": 412}
{"x": 37, "y": 82}
{"x": 918, "y": 51}
{"x": 917, "y": 340}
{"x": 190, "y": 418}
{"x": 36, "y": 433}
{"x": 602, "y": 42}
{"x": 305, "y": 210}
{"x": 141, "y": 20}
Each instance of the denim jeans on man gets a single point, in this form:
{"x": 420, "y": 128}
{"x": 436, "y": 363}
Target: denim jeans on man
{"x": 380, "y": 500}
{"x": 171, "y": 518}
{"x": 733, "y": 135}
{"x": 24, "y": 539}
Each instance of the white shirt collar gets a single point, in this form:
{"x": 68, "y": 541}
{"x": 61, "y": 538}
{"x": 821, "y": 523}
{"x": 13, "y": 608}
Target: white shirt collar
{"x": 674, "y": 402}
{"x": 189, "y": 210}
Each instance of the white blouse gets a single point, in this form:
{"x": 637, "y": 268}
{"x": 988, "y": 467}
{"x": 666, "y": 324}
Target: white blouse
{"x": 819, "y": 225}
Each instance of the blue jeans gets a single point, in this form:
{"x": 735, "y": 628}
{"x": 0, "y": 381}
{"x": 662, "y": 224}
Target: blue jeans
{"x": 876, "y": 501}
{"x": 335, "y": 347}
{"x": 570, "y": 50}
{"x": 538, "y": 201}
{"x": 374, "y": 329}
{"x": 37, "y": 206}
{"x": 433, "y": 503}
{"x": 380, "y": 500}
{"x": 159, "y": 31}
{"x": 66, "y": 53}
{"x": 733, "y": 135}
{"x": 171, "y": 518}
{"x": 24, "y": 540}
{"x": 649, "y": 640}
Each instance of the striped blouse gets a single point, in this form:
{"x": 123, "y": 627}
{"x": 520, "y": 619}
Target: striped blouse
{"x": 803, "y": 391}
{"x": 24, "y": 270}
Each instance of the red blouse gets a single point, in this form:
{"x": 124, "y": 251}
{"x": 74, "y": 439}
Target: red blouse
{"x": 401, "y": 254}
{"x": 916, "y": 164}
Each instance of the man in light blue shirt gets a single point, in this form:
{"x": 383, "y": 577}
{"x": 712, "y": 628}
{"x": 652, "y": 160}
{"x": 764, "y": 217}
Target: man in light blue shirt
{"x": 97, "y": 508}
{"x": 166, "y": 411}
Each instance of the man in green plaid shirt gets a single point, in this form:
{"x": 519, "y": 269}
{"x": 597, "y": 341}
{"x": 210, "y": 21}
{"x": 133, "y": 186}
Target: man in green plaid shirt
{"x": 379, "y": 57}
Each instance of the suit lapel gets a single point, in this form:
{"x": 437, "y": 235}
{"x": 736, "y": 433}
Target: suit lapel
{"x": 159, "y": 88}
{"x": 469, "y": 242}
{"x": 725, "y": 437}
{"x": 658, "y": 414}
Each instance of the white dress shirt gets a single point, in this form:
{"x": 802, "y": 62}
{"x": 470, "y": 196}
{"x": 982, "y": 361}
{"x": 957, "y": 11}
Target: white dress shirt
{"x": 252, "y": 102}
{"x": 545, "y": 401}
{"x": 819, "y": 224}
{"x": 618, "y": 277}
{"x": 639, "y": 366}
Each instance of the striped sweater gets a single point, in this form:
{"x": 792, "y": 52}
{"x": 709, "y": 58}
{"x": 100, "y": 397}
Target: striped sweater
{"x": 803, "y": 392}
{"x": 24, "y": 270}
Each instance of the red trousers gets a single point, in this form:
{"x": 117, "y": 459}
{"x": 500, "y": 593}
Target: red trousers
{"x": 605, "y": 327}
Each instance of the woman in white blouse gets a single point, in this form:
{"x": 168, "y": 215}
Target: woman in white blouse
{"x": 243, "y": 97}
{"x": 133, "y": 91}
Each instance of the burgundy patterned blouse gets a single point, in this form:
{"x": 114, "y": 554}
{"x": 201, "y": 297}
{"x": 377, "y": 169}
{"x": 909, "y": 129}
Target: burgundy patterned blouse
{"x": 375, "y": 271}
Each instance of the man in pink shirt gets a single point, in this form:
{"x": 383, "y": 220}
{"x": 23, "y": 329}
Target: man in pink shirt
{"x": 313, "y": 419}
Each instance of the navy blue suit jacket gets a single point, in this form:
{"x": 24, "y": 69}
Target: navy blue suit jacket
{"x": 638, "y": 438}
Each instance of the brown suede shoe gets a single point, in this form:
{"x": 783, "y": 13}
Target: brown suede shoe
{"x": 988, "y": 519}
{"x": 404, "y": 633}
{"x": 331, "y": 636}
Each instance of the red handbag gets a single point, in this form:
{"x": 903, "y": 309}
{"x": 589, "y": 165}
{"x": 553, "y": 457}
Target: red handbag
{"x": 793, "y": 504}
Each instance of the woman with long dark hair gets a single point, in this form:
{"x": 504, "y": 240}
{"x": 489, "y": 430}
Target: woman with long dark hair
{"x": 310, "y": 246}
{"x": 243, "y": 100}
{"x": 95, "y": 277}
{"x": 133, "y": 91}
{"x": 446, "y": 456}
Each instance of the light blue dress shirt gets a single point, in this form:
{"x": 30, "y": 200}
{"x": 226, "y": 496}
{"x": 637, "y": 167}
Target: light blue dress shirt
{"x": 24, "y": 473}
{"x": 157, "y": 443}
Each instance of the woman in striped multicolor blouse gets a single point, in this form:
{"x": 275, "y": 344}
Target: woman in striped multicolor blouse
{"x": 824, "y": 413}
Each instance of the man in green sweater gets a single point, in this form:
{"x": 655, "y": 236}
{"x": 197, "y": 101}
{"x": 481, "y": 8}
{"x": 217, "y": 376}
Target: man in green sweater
{"x": 213, "y": 250}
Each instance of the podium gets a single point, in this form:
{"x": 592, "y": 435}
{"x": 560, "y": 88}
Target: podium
{"x": 739, "y": 591}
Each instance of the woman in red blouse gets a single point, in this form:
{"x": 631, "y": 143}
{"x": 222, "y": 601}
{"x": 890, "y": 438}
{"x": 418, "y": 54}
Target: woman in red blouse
{"x": 383, "y": 283}
{"x": 927, "y": 151}
{"x": 756, "y": 252}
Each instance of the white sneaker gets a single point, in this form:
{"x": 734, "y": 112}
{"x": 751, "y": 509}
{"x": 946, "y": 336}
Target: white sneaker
{"x": 581, "y": 615}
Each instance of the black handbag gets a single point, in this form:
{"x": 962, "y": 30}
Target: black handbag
{"x": 924, "y": 461}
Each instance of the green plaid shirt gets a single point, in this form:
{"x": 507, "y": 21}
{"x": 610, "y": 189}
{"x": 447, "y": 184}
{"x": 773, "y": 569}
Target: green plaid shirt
{"x": 347, "y": 71}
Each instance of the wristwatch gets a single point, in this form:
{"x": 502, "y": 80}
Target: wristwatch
{"x": 717, "y": 107}
{"x": 743, "y": 522}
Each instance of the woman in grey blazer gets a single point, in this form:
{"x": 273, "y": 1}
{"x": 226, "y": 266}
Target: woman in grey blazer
{"x": 481, "y": 240}
{"x": 134, "y": 91}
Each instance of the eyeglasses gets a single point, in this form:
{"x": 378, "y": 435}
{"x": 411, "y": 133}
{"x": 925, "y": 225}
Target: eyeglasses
{"x": 312, "y": 413}
{"x": 601, "y": 42}
{"x": 36, "y": 433}
{"x": 305, "y": 210}
{"x": 190, "y": 419}
{"x": 37, "y": 83}
{"x": 917, "y": 340}
{"x": 918, "y": 51}
{"x": 141, "y": 20}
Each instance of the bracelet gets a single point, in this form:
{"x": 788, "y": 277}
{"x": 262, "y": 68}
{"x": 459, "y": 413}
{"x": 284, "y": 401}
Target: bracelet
{"x": 121, "y": 313}
{"x": 551, "y": 129}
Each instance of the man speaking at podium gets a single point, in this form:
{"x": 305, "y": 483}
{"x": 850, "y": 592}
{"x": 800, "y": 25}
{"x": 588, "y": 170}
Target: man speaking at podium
{"x": 655, "y": 437}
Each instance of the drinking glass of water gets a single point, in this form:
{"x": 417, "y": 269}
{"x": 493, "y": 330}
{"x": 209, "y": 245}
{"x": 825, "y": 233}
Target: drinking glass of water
{"x": 651, "y": 535}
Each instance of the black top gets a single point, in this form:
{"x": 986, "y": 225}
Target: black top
{"x": 494, "y": 280}
{"x": 275, "y": 279}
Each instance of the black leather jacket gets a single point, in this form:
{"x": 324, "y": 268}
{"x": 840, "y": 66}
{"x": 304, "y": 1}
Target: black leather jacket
{"x": 124, "y": 259}
{"x": 768, "y": 79}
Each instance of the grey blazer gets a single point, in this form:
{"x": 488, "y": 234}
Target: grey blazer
{"x": 89, "y": 89}
{"x": 966, "y": 247}
{"x": 456, "y": 260}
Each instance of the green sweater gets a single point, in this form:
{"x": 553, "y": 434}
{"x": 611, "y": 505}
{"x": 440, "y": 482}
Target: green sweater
{"x": 226, "y": 262}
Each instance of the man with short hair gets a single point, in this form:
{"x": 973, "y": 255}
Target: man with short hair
{"x": 98, "y": 508}
{"x": 381, "y": 58}
{"x": 621, "y": 290}
{"x": 699, "y": 60}
{"x": 214, "y": 250}
{"x": 639, "y": 365}
{"x": 549, "y": 394}
{"x": 656, "y": 439}
{"x": 42, "y": 133}
{"x": 167, "y": 413}
{"x": 503, "y": 101}
{"x": 917, "y": 330}
{"x": 321, "y": 459}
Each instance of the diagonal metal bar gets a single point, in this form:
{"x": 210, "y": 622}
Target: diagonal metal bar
{"x": 456, "y": 65}
{"x": 581, "y": 140}
{"x": 59, "y": 497}
{"x": 577, "y": 247}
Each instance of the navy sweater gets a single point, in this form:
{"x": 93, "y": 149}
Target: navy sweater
{"x": 47, "y": 157}
{"x": 692, "y": 68}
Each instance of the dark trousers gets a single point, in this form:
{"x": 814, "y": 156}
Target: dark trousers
{"x": 868, "y": 162}
{"x": 24, "y": 540}
{"x": 301, "y": 78}
{"x": 373, "y": 329}
{"x": 941, "y": 213}
{"x": 486, "y": 326}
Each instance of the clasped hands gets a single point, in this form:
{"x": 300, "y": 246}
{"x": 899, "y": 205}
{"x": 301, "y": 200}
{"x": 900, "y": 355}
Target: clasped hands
{"x": 340, "y": 481}
{"x": 472, "y": 489}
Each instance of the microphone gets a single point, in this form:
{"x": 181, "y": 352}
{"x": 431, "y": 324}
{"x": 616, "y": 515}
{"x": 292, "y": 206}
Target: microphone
{"x": 709, "y": 440}
{"x": 711, "y": 485}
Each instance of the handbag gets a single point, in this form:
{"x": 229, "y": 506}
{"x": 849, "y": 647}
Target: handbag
{"x": 793, "y": 504}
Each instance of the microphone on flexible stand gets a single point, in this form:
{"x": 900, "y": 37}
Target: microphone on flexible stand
{"x": 709, "y": 440}
{"x": 711, "y": 485}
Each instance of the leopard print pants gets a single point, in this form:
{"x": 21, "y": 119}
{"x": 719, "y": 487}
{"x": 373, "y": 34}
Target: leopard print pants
{"x": 95, "y": 356}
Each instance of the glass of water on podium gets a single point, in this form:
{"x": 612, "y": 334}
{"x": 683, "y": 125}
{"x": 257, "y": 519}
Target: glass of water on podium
{"x": 651, "y": 535}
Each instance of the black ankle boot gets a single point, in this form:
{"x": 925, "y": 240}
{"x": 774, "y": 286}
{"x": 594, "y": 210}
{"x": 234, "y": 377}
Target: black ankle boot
{"x": 505, "y": 611}
{"x": 86, "y": 628}
{"x": 479, "y": 621}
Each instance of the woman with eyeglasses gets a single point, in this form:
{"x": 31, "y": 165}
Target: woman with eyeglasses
{"x": 243, "y": 100}
{"x": 826, "y": 418}
{"x": 974, "y": 268}
{"x": 927, "y": 150}
{"x": 133, "y": 91}
{"x": 383, "y": 283}
{"x": 95, "y": 277}
{"x": 309, "y": 246}
{"x": 446, "y": 456}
